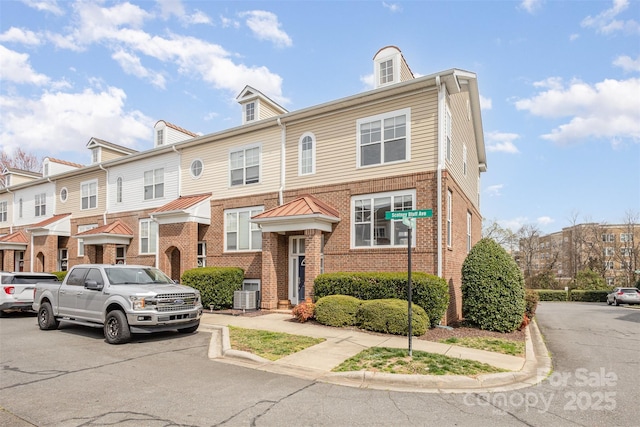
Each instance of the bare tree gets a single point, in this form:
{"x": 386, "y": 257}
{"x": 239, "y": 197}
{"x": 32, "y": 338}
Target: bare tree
{"x": 20, "y": 159}
{"x": 529, "y": 238}
{"x": 628, "y": 248}
{"x": 502, "y": 236}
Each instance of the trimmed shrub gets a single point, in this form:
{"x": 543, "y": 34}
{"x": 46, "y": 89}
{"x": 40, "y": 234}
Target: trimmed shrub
{"x": 545, "y": 280}
{"x": 428, "y": 291}
{"x": 550, "y": 295}
{"x": 588, "y": 296}
{"x": 492, "y": 288}
{"x": 531, "y": 303}
{"x": 391, "y": 316}
{"x": 60, "y": 275}
{"x": 216, "y": 284}
{"x": 304, "y": 311}
{"x": 337, "y": 310}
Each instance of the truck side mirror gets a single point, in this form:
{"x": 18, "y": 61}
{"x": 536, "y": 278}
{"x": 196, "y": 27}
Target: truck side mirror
{"x": 93, "y": 285}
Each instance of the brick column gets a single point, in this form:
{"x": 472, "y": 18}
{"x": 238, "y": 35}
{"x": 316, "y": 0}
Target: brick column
{"x": 269, "y": 283}
{"x": 109, "y": 253}
{"x": 313, "y": 254}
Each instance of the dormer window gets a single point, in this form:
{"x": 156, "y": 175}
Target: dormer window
{"x": 45, "y": 170}
{"x": 7, "y": 180}
{"x": 160, "y": 137}
{"x": 386, "y": 72}
{"x": 95, "y": 155}
{"x": 250, "y": 112}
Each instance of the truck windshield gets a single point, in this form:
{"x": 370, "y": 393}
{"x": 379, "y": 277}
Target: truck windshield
{"x": 135, "y": 276}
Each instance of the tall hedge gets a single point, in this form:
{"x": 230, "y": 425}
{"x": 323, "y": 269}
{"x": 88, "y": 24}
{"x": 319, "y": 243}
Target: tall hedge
{"x": 428, "y": 291}
{"x": 493, "y": 292}
{"x": 216, "y": 284}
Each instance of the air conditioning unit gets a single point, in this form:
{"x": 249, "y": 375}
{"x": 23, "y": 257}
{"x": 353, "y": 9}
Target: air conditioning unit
{"x": 244, "y": 300}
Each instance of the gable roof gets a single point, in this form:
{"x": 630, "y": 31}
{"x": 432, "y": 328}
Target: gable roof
{"x": 58, "y": 225}
{"x": 17, "y": 240}
{"x": 194, "y": 208}
{"x": 306, "y": 212}
{"x": 249, "y": 93}
{"x": 97, "y": 142}
{"x": 116, "y": 233}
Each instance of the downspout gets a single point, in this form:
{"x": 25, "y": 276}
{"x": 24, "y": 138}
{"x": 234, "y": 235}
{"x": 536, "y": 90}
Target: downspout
{"x": 441, "y": 111}
{"x": 106, "y": 197}
{"x": 179, "y": 166}
{"x": 283, "y": 138}
{"x": 13, "y": 207}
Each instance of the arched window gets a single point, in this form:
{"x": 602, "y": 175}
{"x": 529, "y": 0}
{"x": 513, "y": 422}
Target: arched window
{"x": 307, "y": 154}
{"x": 119, "y": 190}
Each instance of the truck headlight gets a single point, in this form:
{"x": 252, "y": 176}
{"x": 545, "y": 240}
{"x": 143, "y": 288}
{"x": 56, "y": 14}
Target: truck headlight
{"x": 137, "y": 302}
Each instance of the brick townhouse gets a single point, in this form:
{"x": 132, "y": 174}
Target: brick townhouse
{"x": 285, "y": 195}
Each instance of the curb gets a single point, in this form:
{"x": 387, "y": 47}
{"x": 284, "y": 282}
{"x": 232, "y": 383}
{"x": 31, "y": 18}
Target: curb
{"x": 536, "y": 368}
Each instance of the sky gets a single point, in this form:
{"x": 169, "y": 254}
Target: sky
{"x": 559, "y": 81}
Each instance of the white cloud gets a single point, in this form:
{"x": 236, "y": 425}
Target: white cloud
{"x": 176, "y": 8}
{"x": 393, "y": 7}
{"x": 544, "y": 221}
{"x": 60, "y": 121}
{"x": 18, "y": 35}
{"x": 531, "y": 5}
{"x": 606, "y": 22}
{"x": 494, "y": 190}
{"x": 628, "y": 64}
{"x": 15, "y": 67}
{"x": 369, "y": 81}
{"x": 265, "y": 26}
{"x": 45, "y": 5}
{"x": 514, "y": 224}
{"x": 228, "y": 22}
{"x": 574, "y": 36}
{"x": 131, "y": 65}
{"x": 607, "y": 110}
{"x": 502, "y": 142}
{"x": 485, "y": 103}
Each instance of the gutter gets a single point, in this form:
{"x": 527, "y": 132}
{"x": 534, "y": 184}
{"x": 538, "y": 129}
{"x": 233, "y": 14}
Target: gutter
{"x": 106, "y": 196}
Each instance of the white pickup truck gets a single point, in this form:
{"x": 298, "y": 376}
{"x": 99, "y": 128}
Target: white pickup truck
{"x": 121, "y": 299}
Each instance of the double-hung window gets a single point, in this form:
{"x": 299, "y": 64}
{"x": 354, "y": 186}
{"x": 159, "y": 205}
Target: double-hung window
{"x": 89, "y": 195}
{"x": 447, "y": 133}
{"x": 384, "y": 138}
{"x": 202, "y": 254}
{"x": 369, "y": 226}
{"x": 307, "y": 154}
{"x": 148, "y": 236}
{"x": 154, "y": 184}
{"x": 244, "y": 166}
{"x": 449, "y": 217}
{"x": 3, "y": 211}
{"x": 386, "y": 72}
{"x": 41, "y": 204}
{"x": 468, "y": 232}
{"x": 249, "y": 112}
{"x": 240, "y": 234}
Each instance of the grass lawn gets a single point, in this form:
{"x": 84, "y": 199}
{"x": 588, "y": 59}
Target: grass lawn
{"x": 397, "y": 361}
{"x": 497, "y": 345}
{"x": 267, "y": 344}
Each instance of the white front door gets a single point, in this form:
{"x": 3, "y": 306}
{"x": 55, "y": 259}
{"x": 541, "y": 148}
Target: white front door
{"x": 296, "y": 269}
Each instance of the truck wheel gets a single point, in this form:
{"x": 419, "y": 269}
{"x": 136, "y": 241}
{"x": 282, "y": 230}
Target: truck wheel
{"x": 116, "y": 328}
{"x": 190, "y": 329}
{"x": 46, "y": 320}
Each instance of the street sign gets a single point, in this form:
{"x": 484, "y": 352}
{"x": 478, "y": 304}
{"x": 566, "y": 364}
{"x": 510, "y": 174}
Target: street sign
{"x": 409, "y": 222}
{"x": 420, "y": 213}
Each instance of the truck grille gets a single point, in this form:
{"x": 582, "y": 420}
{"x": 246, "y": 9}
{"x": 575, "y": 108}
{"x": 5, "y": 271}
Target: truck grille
{"x": 176, "y": 302}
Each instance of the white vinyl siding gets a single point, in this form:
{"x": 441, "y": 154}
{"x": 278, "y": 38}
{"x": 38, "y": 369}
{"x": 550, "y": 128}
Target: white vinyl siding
{"x": 240, "y": 234}
{"x": 384, "y": 138}
{"x": 369, "y": 226}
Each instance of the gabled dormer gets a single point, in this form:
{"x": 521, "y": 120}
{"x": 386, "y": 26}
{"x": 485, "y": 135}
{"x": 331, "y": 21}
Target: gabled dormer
{"x": 165, "y": 133}
{"x": 257, "y": 106}
{"x": 14, "y": 176}
{"x": 390, "y": 67}
{"x": 102, "y": 151}
{"x": 51, "y": 166}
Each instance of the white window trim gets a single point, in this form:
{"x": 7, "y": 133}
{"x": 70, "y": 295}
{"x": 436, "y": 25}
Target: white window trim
{"x": 152, "y": 250}
{"x": 395, "y": 58}
{"x": 64, "y": 191}
{"x": 42, "y": 197}
{"x": 154, "y": 196}
{"x": 201, "y": 259}
{"x": 352, "y": 232}
{"x": 244, "y": 178}
{"x": 257, "y": 210}
{"x": 464, "y": 159}
{"x": 81, "y": 229}
{"x": 468, "y": 231}
{"x": 449, "y": 218}
{"x": 201, "y": 168}
{"x": 380, "y": 117}
{"x": 4, "y": 212}
{"x": 119, "y": 185}
{"x": 313, "y": 153}
{"x": 88, "y": 183}
{"x": 256, "y": 111}
{"x": 448, "y": 133}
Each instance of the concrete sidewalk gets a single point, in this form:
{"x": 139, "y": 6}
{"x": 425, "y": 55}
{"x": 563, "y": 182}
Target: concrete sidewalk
{"x": 316, "y": 362}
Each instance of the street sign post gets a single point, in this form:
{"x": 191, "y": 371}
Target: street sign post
{"x": 409, "y": 219}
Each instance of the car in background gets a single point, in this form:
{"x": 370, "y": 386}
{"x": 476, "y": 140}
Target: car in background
{"x": 624, "y": 296}
{"x": 17, "y": 289}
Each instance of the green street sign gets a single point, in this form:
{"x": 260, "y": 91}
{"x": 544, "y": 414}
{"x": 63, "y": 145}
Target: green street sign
{"x": 420, "y": 213}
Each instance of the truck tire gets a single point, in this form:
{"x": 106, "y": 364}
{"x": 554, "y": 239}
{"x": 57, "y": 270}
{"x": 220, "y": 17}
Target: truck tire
{"x": 116, "y": 328}
{"x": 190, "y": 329}
{"x": 46, "y": 320}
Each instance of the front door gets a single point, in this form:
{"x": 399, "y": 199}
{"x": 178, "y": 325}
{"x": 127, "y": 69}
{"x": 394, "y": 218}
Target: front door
{"x": 296, "y": 269}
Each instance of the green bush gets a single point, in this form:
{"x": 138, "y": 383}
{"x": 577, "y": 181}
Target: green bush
{"x": 589, "y": 280}
{"x": 588, "y": 296}
{"x": 551, "y": 295}
{"x": 60, "y": 275}
{"x": 391, "y": 316}
{"x": 531, "y": 303}
{"x": 544, "y": 280}
{"x": 493, "y": 296}
{"x": 428, "y": 291}
{"x": 216, "y": 284}
{"x": 337, "y": 310}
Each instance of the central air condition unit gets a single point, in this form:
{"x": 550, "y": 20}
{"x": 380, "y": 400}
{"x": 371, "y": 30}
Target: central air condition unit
{"x": 244, "y": 300}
